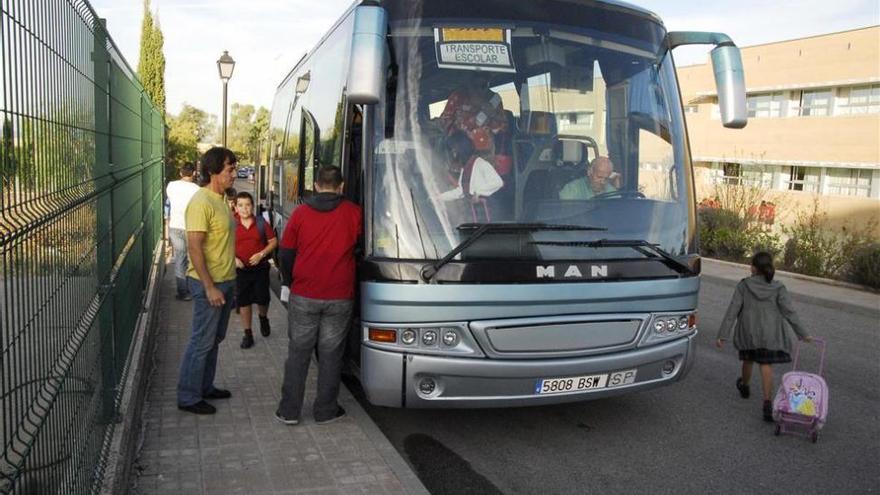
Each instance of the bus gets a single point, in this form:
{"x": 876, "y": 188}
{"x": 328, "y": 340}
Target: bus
{"x": 530, "y": 230}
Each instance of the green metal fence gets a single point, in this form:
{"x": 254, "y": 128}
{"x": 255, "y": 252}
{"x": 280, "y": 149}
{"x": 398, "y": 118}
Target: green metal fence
{"x": 81, "y": 174}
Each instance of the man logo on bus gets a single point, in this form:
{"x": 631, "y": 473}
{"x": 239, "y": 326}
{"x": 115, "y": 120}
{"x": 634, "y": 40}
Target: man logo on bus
{"x": 573, "y": 271}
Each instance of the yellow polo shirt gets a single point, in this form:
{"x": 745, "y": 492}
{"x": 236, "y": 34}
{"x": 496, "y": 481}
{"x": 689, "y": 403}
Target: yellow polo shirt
{"x": 208, "y": 212}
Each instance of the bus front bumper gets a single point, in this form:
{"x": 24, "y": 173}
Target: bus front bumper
{"x": 401, "y": 380}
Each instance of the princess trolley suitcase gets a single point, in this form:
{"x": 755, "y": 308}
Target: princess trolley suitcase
{"x": 801, "y": 402}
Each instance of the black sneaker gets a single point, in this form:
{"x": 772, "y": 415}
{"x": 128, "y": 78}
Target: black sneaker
{"x": 744, "y": 391}
{"x": 247, "y": 341}
{"x": 265, "y": 330}
{"x": 183, "y": 297}
{"x": 340, "y": 413}
{"x": 287, "y": 421}
{"x": 768, "y": 411}
{"x": 217, "y": 393}
{"x": 200, "y": 407}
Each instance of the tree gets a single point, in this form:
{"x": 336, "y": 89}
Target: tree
{"x": 158, "y": 94}
{"x": 247, "y": 131}
{"x": 258, "y": 134}
{"x": 151, "y": 62}
{"x": 205, "y": 123}
{"x": 8, "y": 161}
{"x": 185, "y": 131}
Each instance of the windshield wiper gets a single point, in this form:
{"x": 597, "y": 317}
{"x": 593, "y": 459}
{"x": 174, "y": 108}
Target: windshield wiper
{"x": 639, "y": 245}
{"x": 429, "y": 271}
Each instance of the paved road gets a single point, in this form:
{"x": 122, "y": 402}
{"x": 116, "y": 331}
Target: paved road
{"x": 697, "y": 436}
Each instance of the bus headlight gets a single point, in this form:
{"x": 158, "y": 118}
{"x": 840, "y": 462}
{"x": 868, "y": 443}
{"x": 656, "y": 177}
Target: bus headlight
{"x": 408, "y": 336}
{"x": 448, "y": 339}
{"x": 659, "y": 326}
{"x": 669, "y": 326}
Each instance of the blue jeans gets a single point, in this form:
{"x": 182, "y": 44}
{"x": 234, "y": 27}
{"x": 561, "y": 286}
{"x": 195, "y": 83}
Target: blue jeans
{"x": 312, "y": 322}
{"x": 179, "y": 259}
{"x": 208, "y": 330}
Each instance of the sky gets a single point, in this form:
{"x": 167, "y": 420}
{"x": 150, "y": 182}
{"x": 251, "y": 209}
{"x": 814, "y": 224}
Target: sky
{"x": 267, "y": 37}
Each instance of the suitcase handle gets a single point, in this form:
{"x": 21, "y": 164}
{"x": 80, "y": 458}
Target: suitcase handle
{"x": 820, "y": 342}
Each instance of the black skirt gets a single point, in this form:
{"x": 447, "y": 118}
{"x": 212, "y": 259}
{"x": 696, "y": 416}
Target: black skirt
{"x": 764, "y": 356}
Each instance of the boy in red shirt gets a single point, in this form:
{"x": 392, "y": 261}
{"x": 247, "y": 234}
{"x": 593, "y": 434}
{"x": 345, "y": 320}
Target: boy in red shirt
{"x": 320, "y": 237}
{"x": 254, "y": 242}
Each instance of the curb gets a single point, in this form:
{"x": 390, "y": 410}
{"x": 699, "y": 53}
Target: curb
{"x": 405, "y": 474}
{"x": 800, "y": 276}
{"x": 123, "y": 443}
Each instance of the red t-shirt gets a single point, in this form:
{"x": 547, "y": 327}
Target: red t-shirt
{"x": 248, "y": 240}
{"x": 324, "y": 242}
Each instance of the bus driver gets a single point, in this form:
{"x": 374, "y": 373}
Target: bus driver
{"x": 600, "y": 178}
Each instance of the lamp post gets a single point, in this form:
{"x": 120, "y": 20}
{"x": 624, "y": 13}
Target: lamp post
{"x": 225, "y": 65}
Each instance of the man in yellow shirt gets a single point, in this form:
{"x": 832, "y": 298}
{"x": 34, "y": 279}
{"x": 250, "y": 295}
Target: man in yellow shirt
{"x": 210, "y": 235}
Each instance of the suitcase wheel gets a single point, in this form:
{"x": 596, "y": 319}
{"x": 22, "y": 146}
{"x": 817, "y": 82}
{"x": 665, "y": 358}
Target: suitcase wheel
{"x": 814, "y": 436}
{"x": 778, "y": 430}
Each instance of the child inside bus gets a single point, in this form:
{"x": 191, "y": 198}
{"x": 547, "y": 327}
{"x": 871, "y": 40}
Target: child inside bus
{"x": 473, "y": 179}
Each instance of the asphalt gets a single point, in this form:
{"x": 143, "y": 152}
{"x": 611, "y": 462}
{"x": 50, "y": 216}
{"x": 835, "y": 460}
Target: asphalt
{"x": 696, "y": 436}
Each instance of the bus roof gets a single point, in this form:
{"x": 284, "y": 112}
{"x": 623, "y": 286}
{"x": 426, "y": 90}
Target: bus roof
{"x": 612, "y": 4}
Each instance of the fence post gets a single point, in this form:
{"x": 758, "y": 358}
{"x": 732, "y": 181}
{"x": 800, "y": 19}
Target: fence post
{"x": 105, "y": 219}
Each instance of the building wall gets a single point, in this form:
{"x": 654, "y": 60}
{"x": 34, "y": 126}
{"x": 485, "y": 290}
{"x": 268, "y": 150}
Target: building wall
{"x": 814, "y": 124}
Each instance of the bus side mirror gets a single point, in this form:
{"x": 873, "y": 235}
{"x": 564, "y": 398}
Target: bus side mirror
{"x": 365, "y": 72}
{"x": 729, "y": 75}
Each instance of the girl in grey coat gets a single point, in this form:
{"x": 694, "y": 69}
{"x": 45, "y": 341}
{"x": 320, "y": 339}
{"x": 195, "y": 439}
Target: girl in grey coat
{"x": 756, "y": 317}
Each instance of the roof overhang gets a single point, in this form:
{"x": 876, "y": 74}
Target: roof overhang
{"x": 788, "y": 163}
{"x": 708, "y": 96}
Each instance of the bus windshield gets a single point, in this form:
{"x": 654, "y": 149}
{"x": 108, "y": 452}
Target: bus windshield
{"x": 500, "y": 121}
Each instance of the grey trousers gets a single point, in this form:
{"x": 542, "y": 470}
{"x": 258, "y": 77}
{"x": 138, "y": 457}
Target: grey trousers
{"x": 312, "y": 322}
{"x": 178, "y": 246}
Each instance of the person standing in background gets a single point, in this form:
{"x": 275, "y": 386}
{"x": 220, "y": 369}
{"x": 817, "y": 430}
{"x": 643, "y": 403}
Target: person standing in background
{"x": 179, "y": 192}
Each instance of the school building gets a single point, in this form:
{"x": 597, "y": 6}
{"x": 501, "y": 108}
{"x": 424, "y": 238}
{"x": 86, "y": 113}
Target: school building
{"x": 814, "y": 124}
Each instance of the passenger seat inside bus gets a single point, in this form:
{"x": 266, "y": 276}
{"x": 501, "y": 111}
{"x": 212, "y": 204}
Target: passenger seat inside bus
{"x": 538, "y": 152}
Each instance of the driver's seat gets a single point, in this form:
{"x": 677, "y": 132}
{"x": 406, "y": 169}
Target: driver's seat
{"x": 572, "y": 164}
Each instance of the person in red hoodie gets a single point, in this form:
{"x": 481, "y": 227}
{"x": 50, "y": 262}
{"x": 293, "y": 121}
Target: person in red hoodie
{"x": 318, "y": 243}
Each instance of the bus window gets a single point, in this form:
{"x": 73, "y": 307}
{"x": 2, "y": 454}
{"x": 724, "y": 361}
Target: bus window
{"x": 290, "y": 157}
{"x": 310, "y": 141}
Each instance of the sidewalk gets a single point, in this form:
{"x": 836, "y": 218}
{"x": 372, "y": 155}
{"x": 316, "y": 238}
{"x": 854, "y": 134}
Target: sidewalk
{"x": 797, "y": 284}
{"x": 242, "y": 448}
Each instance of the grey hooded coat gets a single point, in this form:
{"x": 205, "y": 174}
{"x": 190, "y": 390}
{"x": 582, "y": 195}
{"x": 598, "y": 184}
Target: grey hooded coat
{"x": 756, "y": 316}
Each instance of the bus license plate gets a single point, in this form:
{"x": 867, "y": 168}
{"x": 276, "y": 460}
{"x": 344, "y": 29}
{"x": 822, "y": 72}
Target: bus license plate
{"x": 579, "y": 383}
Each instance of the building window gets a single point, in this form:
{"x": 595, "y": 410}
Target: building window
{"x": 732, "y": 174}
{"x": 848, "y": 181}
{"x": 757, "y": 176}
{"x": 691, "y": 109}
{"x": 575, "y": 122}
{"x": 816, "y": 102}
{"x": 858, "y": 100}
{"x": 803, "y": 179}
{"x": 765, "y": 105}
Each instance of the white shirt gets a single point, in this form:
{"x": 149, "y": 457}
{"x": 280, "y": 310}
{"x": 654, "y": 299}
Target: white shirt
{"x": 179, "y": 193}
{"x": 485, "y": 181}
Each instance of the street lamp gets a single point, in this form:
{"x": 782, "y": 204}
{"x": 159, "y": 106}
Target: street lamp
{"x": 225, "y": 65}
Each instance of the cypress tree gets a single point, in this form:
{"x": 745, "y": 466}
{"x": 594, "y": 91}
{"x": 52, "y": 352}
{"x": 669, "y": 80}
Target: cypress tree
{"x": 145, "y": 61}
{"x": 151, "y": 63}
{"x": 158, "y": 67}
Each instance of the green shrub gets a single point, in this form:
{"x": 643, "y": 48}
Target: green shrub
{"x": 814, "y": 249}
{"x": 864, "y": 267}
{"x": 717, "y": 226}
{"x": 725, "y": 234}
